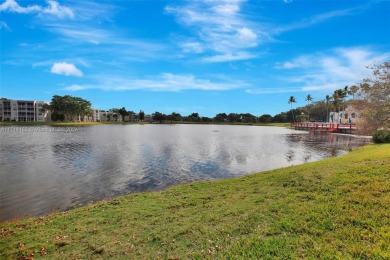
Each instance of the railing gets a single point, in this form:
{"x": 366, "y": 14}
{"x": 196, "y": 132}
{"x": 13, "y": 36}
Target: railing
{"x": 325, "y": 127}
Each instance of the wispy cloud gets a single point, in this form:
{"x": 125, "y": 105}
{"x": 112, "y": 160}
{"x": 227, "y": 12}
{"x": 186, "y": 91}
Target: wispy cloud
{"x": 13, "y": 7}
{"x": 332, "y": 69}
{"x": 4, "y": 25}
{"x": 56, "y": 9}
{"x": 274, "y": 90}
{"x": 80, "y": 33}
{"x": 67, "y": 69}
{"x": 220, "y": 27}
{"x": 53, "y": 8}
{"x": 230, "y": 57}
{"x": 162, "y": 82}
{"x": 313, "y": 20}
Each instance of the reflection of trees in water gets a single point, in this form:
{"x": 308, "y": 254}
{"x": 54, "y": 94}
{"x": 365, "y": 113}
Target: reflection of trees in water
{"x": 307, "y": 157}
{"x": 331, "y": 144}
{"x": 290, "y": 155}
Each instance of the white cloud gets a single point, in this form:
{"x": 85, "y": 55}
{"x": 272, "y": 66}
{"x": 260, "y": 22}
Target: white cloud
{"x": 247, "y": 37}
{"x": 67, "y": 69}
{"x": 333, "y": 69}
{"x": 4, "y": 25}
{"x": 81, "y": 33}
{"x": 300, "y": 62}
{"x": 75, "y": 88}
{"x": 193, "y": 47}
{"x": 274, "y": 90}
{"x": 13, "y": 7}
{"x": 56, "y": 9}
{"x": 316, "y": 19}
{"x": 163, "y": 82}
{"x": 226, "y": 9}
{"x": 229, "y": 57}
{"x": 220, "y": 27}
{"x": 53, "y": 8}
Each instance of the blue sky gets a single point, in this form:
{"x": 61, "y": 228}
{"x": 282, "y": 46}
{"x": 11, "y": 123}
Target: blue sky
{"x": 205, "y": 56}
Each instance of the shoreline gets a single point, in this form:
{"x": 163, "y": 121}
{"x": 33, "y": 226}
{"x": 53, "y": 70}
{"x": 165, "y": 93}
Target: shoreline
{"x": 235, "y": 214}
{"x": 53, "y": 123}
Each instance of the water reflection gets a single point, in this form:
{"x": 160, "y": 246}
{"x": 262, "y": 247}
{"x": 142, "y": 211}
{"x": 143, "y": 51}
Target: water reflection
{"x": 44, "y": 171}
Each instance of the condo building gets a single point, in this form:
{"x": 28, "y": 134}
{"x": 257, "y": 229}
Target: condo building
{"x": 23, "y": 110}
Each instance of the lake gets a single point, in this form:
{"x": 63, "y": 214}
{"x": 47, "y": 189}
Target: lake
{"x": 44, "y": 168}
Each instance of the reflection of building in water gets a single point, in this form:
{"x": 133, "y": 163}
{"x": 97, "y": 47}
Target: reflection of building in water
{"x": 22, "y": 110}
{"x": 350, "y": 115}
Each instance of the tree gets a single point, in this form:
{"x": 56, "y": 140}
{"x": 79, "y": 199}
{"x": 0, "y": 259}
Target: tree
{"x": 353, "y": 90}
{"x": 141, "y": 115}
{"x": 221, "y": 117}
{"x": 174, "y": 117}
{"x": 266, "y": 118}
{"x": 194, "y": 117}
{"x": 280, "y": 118}
{"x": 233, "y": 117}
{"x": 123, "y": 112}
{"x": 292, "y": 100}
{"x": 68, "y": 107}
{"x": 336, "y": 101}
{"x": 157, "y": 116}
{"x": 309, "y": 99}
{"x": 248, "y": 118}
{"x": 327, "y": 101}
{"x": 373, "y": 98}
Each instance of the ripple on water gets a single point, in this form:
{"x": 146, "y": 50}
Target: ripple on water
{"x": 44, "y": 171}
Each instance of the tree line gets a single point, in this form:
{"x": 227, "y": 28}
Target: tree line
{"x": 371, "y": 96}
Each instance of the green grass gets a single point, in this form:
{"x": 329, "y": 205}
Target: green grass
{"x": 338, "y": 208}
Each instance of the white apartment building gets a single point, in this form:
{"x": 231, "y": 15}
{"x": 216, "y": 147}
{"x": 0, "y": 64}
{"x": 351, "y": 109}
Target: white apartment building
{"x": 23, "y": 110}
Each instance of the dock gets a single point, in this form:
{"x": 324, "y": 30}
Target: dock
{"x": 325, "y": 127}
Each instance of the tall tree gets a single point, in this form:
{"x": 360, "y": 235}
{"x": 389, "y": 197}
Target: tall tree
{"x": 265, "y": 118}
{"x": 353, "y": 90}
{"x": 141, "y": 115}
{"x": 327, "y": 101}
{"x": 221, "y": 117}
{"x": 69, "y": 107}
{"x": 292, "y": 100}
{"x": 374, "y": 100}
{"x": 123, "y": 112}
{"x": 157, "y": 116}
{"x": 309, "y": 99}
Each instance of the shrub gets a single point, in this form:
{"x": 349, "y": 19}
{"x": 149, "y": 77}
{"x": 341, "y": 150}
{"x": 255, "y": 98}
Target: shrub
{"x": 381, "y": 136}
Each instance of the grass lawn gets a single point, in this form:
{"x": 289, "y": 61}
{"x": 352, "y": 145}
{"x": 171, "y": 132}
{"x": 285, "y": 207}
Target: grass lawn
{"x": 338, "y": 208}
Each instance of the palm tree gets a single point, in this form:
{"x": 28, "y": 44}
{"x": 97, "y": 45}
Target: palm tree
{"x": 292, "y": 100}
{"x": 353, "y": 90}
{"x": 337, "y": 94}
{"x": 344, "y": 94}
{"x": 327, "y": 101}
{"x": 309, "y": 98}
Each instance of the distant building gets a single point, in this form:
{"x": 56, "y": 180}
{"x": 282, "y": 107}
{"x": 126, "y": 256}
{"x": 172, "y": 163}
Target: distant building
{"x": 23, "y": 110}
{"x": 350, "y": 115}
{"x": 105, "y": 116}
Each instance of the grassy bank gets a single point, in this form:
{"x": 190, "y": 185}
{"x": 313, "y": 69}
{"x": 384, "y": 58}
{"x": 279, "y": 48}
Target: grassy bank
{"x": 335, "y": 208}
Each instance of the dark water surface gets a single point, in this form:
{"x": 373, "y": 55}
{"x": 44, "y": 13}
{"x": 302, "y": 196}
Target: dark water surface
{"x": 52, "y": 168}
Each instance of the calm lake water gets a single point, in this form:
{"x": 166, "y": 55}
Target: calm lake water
{"x": 56, "y": 168}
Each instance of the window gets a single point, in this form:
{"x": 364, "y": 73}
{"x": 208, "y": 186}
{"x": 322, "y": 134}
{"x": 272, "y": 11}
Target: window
{"x": 353, "y": 115}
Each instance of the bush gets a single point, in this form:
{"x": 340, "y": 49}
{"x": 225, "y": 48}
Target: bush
{"x": 381, "y": 136}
